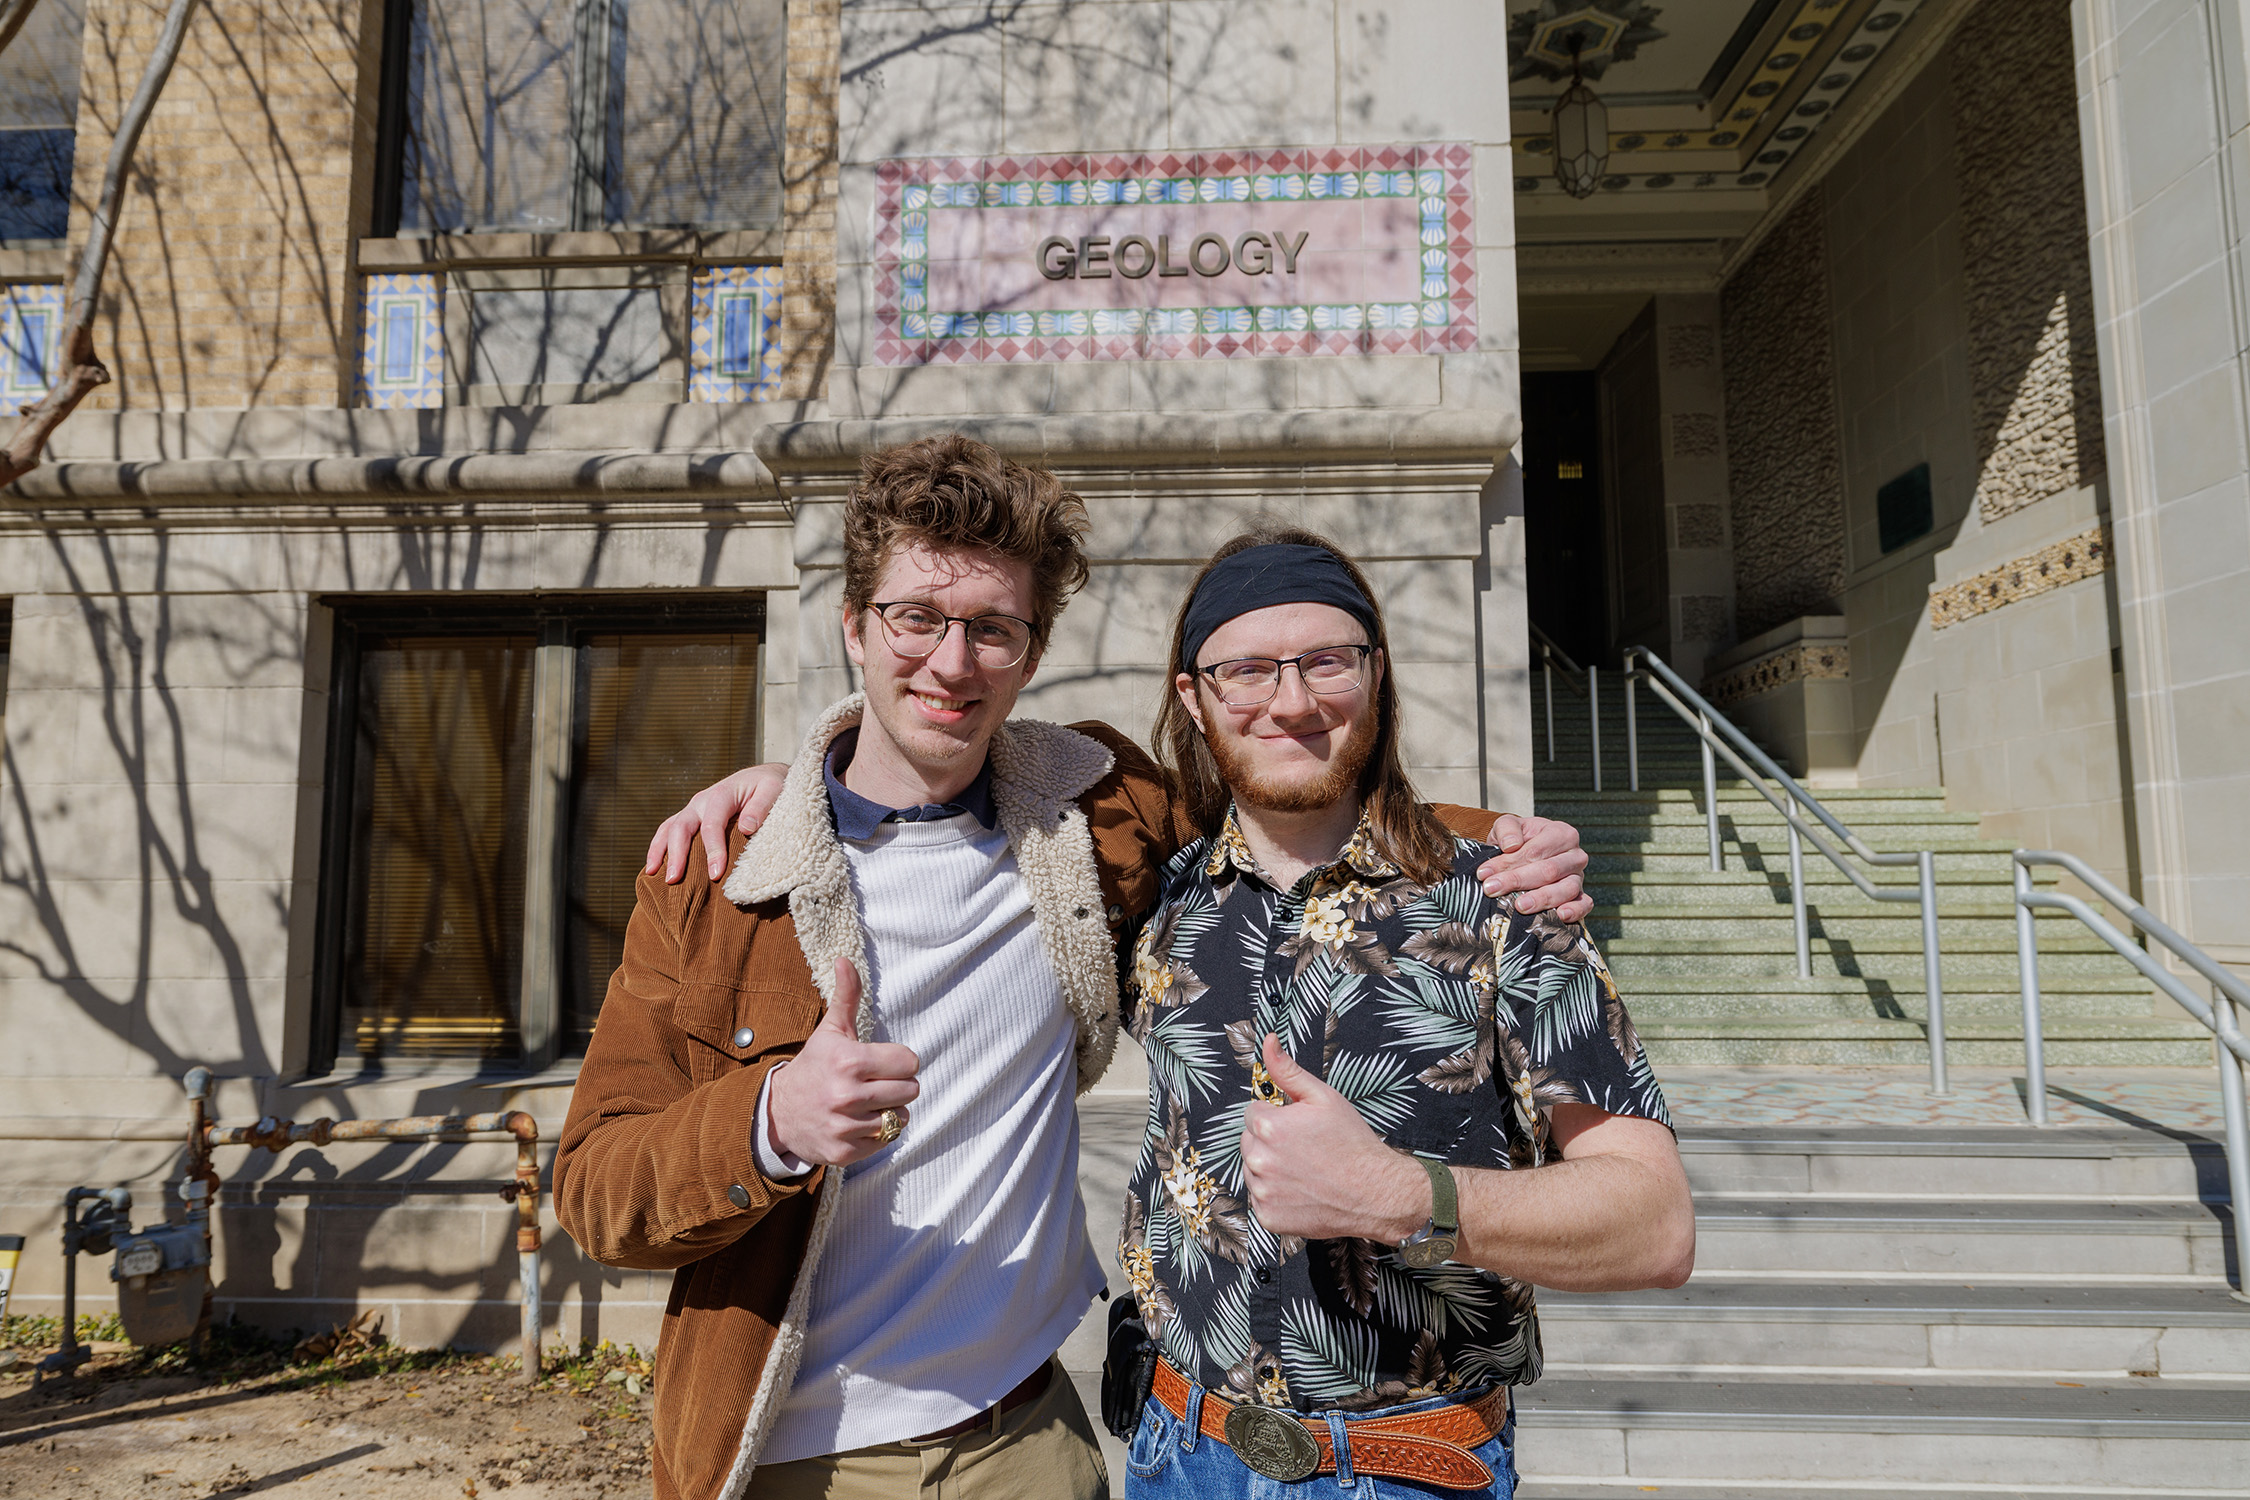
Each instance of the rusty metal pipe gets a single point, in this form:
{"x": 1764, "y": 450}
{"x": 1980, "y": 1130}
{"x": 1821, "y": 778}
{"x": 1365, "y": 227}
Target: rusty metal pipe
{"x": 273, "y": 1134}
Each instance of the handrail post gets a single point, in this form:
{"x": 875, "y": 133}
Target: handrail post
{"x": 2238, "y": 1135}
{"x": 1632, "y": 732}
{"x": 1710, "y": 792}
{"x": 1594, "y": 718}
{"x": 1548, "y": 658}
{"x": 1933, "y": 984}
{"x": 1797, "y": 900}
{"x": 2034, "y": 1032}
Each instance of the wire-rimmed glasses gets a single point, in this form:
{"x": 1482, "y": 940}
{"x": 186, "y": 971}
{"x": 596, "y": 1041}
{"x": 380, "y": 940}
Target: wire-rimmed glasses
{"x": 915, "y": 630}
{"x": 1250, "y": 680}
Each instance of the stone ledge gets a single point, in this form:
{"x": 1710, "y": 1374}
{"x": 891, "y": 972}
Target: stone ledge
{"x": 1161, "y": 439}
{"x": 2086, "y": 555}
{"x": 448, "y": 476}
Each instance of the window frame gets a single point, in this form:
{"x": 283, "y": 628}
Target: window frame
{"x": 592, "y": 31}
{"x": 559, "y": 623}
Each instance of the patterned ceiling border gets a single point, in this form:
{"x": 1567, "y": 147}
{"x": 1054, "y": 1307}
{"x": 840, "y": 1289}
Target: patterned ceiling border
{"x": 1799, "y": 662}
{"x": 908, "y": 331}
{"x": 1764, "y": 141}
{"x": 2086, "y": 555}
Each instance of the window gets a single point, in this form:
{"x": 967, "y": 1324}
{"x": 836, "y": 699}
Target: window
{"x": 494, "y": 778}
{"x": 520, "y": 115}
{"x": 39, "y": 122}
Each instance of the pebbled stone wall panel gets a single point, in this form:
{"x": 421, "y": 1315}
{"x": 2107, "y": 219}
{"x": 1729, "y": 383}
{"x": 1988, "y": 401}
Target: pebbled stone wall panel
{"x": 1784, "y": 461}
{"x": 2036, "y": 387}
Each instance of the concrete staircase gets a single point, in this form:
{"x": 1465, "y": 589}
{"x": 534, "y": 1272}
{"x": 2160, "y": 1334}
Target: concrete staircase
{"x": 1707, "y": 960}
{"x": 1910, "y": 1311}
{"x": 1906, "y": 1309}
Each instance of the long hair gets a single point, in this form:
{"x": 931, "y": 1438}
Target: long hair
{"x": 1406, "y": 832}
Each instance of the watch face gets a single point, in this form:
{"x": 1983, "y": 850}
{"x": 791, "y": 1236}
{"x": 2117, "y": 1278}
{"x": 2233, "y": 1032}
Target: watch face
{"x": 1422, "y": 1255}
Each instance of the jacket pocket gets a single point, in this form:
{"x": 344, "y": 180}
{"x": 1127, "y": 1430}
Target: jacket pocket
{"x": 733, "y": 1026}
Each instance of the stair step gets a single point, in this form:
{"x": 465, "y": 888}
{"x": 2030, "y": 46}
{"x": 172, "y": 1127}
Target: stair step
{"x": 1955, "y": 1332}
{"x": 1580, "y": 1437}
{"x": 1995, "y": 1241}
{"x": 1954, "y": 1162}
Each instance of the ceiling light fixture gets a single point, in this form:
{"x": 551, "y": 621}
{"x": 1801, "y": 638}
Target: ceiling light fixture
{"x": 1581, "y": 131}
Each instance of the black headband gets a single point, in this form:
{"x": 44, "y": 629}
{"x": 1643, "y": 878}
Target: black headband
{"x": 1258, "y": 577}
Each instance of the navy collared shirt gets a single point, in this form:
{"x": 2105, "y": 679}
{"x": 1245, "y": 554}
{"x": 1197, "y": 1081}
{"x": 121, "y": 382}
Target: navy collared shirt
{"x": 857, "y": 818}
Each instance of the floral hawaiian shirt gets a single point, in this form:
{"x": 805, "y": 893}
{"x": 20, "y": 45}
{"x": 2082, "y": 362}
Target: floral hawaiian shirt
{"x": 1450, "y": 1020}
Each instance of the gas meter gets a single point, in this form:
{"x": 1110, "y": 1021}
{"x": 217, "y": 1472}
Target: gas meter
{"x": 162, "y": 1273}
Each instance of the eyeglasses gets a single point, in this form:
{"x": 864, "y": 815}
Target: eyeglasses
{"x": 1249, "y": 680}
{"x": 916, "y": 630}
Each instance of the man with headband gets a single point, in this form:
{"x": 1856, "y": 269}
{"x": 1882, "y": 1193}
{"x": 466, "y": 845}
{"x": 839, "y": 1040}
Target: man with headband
{"x": 834, "y": 1091}
{"x": 1382, "y": 1103}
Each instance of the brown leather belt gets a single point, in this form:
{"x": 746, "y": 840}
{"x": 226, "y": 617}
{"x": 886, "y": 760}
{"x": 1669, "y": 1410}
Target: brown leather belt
{"x": 1027, "y": 1390}
{"x": 1431, "y": 1447}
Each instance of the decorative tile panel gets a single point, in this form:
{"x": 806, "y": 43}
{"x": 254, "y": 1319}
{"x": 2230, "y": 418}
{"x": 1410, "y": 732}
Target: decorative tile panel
{"x": 1205, "y": 255}
{"x": 402, "y": 341}
{"x": 31, "y": 320}
{"x": 734, "y": 338}
{"x": 1793, "y": 663}
{"x": 2085, "y": 555}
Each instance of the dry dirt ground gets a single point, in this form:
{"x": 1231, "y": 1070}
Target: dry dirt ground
{"x": 384, "y": 1426}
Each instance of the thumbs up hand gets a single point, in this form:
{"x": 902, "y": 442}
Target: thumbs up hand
{"x": 827, "y": 1105}
{"x": 1316, "y": 1170}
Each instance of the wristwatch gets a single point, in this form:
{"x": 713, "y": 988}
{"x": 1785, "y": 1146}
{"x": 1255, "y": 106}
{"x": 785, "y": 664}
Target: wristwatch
{"x": 1433, "y": 1244}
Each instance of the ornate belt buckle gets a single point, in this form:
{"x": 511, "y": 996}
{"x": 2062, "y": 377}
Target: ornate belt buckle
{"x": 1272, "y": 1442}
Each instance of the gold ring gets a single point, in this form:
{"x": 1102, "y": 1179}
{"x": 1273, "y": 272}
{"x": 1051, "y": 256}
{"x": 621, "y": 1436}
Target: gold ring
{"x": 889, "y": 1125}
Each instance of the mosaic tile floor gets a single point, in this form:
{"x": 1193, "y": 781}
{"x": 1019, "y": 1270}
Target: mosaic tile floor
{"x": 2147, "y": 1098}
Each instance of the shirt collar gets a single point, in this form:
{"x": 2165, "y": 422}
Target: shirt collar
{"x": 858, "y": 817}
{"x": 1359, "y": 853}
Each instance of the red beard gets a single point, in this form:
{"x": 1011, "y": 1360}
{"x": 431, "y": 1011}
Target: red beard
{"x": 1332, "y": 786}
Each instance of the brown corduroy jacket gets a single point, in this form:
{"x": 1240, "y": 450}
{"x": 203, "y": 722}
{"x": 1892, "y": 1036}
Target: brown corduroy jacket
{"x": 720, "y": 983}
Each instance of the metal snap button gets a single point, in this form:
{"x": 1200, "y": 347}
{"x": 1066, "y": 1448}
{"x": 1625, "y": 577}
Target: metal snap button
{"x": 739, "y": 1196}
{"x": 1117, "y": 914}
{"x": 745, "y": 1037}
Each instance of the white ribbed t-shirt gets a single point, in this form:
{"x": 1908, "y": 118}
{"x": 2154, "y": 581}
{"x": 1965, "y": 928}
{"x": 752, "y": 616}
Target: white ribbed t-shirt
{"x": 958, "y": 1259}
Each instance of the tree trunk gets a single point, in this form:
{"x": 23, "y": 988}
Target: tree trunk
{"x": 13, "y": 13}
{"x": 83, "y": 370}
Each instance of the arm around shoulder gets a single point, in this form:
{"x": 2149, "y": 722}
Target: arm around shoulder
{"x": 655, "y": 1168}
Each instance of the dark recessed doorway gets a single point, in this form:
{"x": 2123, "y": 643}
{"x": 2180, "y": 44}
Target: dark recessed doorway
{"x": 1562, "y": 506}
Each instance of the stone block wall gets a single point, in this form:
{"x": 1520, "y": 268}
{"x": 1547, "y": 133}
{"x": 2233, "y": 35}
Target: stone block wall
{"x": 1784, "y": 463}
{"x": 232, "y": 279}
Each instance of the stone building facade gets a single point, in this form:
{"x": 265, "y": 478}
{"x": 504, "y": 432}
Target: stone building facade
{"x": 468, "y": 492}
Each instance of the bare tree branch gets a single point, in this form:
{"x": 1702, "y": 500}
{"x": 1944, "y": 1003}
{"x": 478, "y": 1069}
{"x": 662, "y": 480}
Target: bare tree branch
{"x": 13, "y": 13}
{"x": 83, "y": 370}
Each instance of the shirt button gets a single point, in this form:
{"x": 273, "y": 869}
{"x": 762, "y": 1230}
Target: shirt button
{"x": 1117, "y": 914}
{"x": 739, "y": 1196}
{"x": 1265, "y": 1277}
{"x": 745, "y": 1037}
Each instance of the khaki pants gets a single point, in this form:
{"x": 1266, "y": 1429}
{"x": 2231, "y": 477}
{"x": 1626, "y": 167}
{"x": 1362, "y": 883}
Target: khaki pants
{"x": 1044, "y": 1450}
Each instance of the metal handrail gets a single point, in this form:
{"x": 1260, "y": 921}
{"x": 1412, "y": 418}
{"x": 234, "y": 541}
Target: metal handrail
{"x": 1549, "y": 653}
{"x": 2219, "y": 1018}
{"x": 1717, "y": 734}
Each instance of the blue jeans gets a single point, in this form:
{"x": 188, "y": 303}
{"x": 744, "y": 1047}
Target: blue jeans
{"x": 1170, "y": 1460}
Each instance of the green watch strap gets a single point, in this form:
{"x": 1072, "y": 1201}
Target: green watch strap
{"x": 1445, "y": 1203}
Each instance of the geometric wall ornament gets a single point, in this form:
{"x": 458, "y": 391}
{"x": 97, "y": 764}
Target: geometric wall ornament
{"x": 1798, "y": 662}
{"x": 31, "y": 320}
{"x": 402, "y": 342}
{"x": 2071, "y": 560}
{"x": 1175, "y": 255}
{"x": 734, "y": 334}
{"x": 1563, "y": 38}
